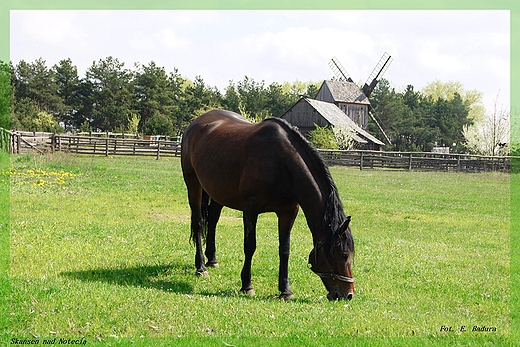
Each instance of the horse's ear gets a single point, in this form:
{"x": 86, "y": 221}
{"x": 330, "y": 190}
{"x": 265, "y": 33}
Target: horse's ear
{"x": 345, "y": 224}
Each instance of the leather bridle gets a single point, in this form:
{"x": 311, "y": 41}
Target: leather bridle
{"x": 331, "y": 274}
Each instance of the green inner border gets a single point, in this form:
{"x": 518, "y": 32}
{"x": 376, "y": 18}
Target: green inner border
{"x": 512, "y": 5}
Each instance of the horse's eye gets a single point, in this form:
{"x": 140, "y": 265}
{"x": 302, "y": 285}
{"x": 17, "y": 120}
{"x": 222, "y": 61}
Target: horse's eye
{"x": 345, "y": 256}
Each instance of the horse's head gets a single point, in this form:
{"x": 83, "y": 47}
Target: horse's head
{"x": 331, "y": 259}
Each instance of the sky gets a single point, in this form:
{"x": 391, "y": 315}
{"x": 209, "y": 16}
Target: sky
{"x": 470, "y": 47}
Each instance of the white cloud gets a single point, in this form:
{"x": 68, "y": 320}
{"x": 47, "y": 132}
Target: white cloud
{"x": 171, "y": 40}
{"x": 142, "y": 43}
{"x": 430, "y": 57}
{"x": 498, "y": 67}
{"x": 48, "y": 27}
{"x": 307, "y": 47}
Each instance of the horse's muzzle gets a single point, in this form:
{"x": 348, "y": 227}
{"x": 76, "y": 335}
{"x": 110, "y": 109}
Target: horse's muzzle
{"x": 334, "y": 295}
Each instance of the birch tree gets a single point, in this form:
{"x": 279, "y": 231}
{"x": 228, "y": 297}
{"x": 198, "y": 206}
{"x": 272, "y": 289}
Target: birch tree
{"x": 490, "y": 136}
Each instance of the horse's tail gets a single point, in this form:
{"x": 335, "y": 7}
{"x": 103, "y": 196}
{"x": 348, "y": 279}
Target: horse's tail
{"x": 206, "y": 200}
{"x": 204, "y": 209}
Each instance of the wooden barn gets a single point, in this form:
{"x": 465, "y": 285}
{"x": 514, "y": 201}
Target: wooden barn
{"x": 308, "y": 112}
{"x": 349, "y": 98}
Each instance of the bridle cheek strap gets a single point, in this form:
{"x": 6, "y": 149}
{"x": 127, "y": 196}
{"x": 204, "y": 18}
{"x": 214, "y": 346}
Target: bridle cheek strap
{"x": 331, "y": 274}
{"x": 335, "y": 277}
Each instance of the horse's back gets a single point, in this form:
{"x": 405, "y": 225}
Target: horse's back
{"x": 227, "y": 134}
{"x": 216, "y": 118}
{"x": 233, "y": 158}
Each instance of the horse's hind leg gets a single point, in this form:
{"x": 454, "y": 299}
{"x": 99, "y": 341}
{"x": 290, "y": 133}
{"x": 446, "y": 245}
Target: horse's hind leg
{"x": 250, "y": 220}
{"x": 214, "y": 210}
{"x": 195, "y": 201}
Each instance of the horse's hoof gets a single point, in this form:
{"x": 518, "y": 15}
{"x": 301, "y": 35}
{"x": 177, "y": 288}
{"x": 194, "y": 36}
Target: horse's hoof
{"x": 250, "y": 292}
{"x": 202, "y": 273}
{"x": 213, "y": 265}
{"x": 286, "y": 296}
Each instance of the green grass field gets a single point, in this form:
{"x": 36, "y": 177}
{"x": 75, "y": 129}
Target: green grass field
{"x": 4, "y": 248}
{"x": 99, "y": 248}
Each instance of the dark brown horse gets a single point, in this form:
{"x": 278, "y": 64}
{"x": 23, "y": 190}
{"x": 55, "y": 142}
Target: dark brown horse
{"x": 265, "y": 167}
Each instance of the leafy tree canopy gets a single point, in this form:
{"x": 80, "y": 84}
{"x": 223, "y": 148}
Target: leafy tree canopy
{"x": 415, "y": 121}
{"x": 448, "y": 90}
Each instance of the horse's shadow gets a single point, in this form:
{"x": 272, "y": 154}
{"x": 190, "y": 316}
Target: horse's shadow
{"x": 159, "y": 277}
{"x": 146, "y": 276}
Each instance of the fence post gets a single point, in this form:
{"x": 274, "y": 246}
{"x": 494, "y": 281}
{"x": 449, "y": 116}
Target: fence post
{"x": 158, "y": 149}
{"x": 410, "y": 162}
{"x": 18, "y": 143}
{"x": 360, "y": 160}
{"x": 106, "y": 148}
{"x": 2, "y": 137}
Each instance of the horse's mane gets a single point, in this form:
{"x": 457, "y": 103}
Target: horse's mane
{"x": 334, "y": 215}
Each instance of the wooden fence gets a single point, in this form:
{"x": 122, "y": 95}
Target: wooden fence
{"x": 115, "y": 146}
{"x": 111, "y": 145}
{"x": 108, "y": 144}
{"x": 418, "y": 161}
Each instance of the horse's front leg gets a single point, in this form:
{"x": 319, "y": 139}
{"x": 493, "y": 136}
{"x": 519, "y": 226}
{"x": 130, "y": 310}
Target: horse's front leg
{"x": 213, "y": 217}
{"x": 285, "y": 222}
{"x": 250, "y": 220}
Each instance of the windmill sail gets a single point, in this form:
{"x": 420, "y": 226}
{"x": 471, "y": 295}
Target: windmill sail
{"x": 377, "y": 73}
{"x": 340, "y": 72}
{"x": 380, "y": 128}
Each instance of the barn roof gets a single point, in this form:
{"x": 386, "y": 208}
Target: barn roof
{"x": 348, "y": 92}
{"x": 336, "y": 117}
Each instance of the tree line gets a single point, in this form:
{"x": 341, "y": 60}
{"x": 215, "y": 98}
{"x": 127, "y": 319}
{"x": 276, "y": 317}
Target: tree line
{"x": 441, "y": 114}
{"x": 149, "y": 100}
{"x": 146, "y": 99}
{"x": 418, "y": 121}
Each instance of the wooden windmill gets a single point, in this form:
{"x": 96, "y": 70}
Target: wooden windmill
{"x": 377, "y": 73}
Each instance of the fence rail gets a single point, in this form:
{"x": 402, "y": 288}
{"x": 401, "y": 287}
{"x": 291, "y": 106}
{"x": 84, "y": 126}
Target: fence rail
{"x": 108, "y": 144}
{"x": 418, "y": 161}
{"x": 111, "y": 145}
{"x": 114, "y": 146}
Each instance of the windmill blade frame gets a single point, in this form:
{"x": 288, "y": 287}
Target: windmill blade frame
{"x": 377, "y": 73}
{"x": 339, "y": 71}
{"x": 380, "y": 127}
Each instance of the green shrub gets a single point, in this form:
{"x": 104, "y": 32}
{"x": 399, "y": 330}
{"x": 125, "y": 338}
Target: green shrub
{"x": 323, "y": 138}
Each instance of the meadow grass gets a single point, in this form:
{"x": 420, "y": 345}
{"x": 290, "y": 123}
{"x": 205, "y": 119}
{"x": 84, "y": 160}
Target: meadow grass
{"x": 4, "y": 249}
{"x": 104, "y": 253}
